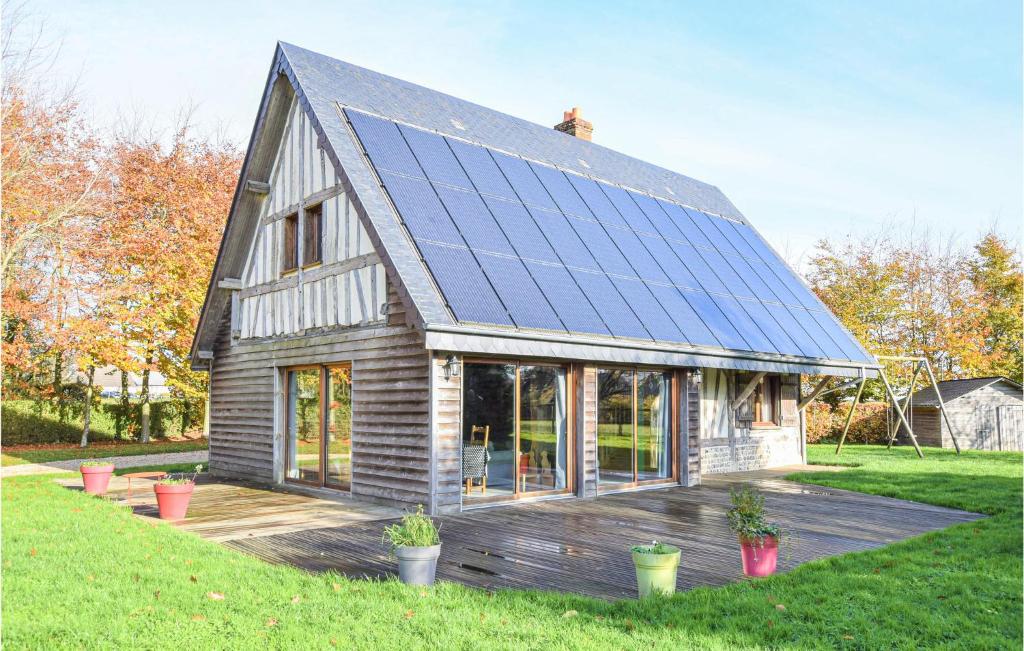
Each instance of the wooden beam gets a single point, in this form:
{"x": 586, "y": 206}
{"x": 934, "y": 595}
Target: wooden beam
{"x": 906, "y": 401}
{"x": 899, "y": 412}
{"x": 205, "y": 354}
{"x": 849, "y": 416}
{"x": 818, "y": 390}
{"x": 942, "y": 407}
{"x": 747, "y": 390}
{"x": 257, "y": 187}
{"x": 230, "y": 283}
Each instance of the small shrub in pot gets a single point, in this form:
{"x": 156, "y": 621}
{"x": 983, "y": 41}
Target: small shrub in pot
{"x": 656, "y": 566}
{"x": 416, "y": 544}
{"x": 759, "y": 539}
{"x": 174, "y": 493}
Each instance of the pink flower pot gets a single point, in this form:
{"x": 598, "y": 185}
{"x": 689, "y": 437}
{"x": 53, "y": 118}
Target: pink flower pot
{"x": 96, "y": 478}
{"x": 173, "y": 499}
{"x": 759, "y": 559}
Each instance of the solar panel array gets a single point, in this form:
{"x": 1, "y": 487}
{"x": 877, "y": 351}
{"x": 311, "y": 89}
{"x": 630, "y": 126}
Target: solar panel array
{"x": 517, "y": 243}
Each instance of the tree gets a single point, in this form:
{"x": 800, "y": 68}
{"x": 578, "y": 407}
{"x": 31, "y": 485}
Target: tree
{"x": 995, "y": 274}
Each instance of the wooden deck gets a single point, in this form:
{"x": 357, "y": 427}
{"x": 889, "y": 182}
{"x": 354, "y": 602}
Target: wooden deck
{"x": 567, "y": 544}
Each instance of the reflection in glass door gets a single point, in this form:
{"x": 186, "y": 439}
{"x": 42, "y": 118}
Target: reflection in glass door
{"x": 634, "y": 427}
{"x": 319, "y": 426}
{"x": 615, "y": 426}
{"x": 542, "y": 429}
{"x": 339, "y": 427}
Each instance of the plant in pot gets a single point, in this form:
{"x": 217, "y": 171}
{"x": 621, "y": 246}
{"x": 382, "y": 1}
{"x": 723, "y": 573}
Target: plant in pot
{"x": 96, "y": 476}
{"x": 759, "y": 539}
{"x": 414, "y": 541}
{"x": 174, "y": 492}
{"x": 656, "y": 567}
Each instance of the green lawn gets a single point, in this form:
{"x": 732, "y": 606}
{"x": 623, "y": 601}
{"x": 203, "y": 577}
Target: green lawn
{"x": 82, "y": 573}
{"x": 62, "y": 453}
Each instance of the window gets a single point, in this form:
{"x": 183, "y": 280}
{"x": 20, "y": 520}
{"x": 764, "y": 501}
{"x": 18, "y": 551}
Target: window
{"x": 319, "y": 427}
{"x": 289, "y": 243}
{"x": 312, "y": 227}
{"x": 761, "y": 407}
{"x": 514, "y": 431}
{"x": 634, "y": 426}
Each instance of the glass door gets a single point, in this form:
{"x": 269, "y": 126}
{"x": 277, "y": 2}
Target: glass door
{"x": 515, "y": 431}
{"x": 635, "y": 427}
{"x": 319, "y": 426}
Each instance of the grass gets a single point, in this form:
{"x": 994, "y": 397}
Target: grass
{"x": 14, "y": 457}
{"x": 126, "y": 583}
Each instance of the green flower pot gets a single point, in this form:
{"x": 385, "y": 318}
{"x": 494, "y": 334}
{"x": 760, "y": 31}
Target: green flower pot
{"x": 656, "y": 573}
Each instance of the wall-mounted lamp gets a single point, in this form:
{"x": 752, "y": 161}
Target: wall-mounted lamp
{"x": 451, "y": 367}
{"x": 698, "y": 376}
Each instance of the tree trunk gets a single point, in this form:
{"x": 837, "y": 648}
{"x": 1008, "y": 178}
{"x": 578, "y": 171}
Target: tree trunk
{"x": 88, "y": 406}
{"x": 144, "y": 398}
{"x": 124, "y": 417}
{"x": 58, "y": 393}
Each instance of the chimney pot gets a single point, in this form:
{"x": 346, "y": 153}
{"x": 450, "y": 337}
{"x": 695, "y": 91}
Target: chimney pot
{"x": 574, "y": 124}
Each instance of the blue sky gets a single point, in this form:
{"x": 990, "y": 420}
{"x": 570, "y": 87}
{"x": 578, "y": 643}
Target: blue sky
{"x": 815, "y": 118}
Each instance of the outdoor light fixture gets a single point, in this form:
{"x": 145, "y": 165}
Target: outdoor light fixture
{"x": 698, "y": 376}
{"x": 452, "y": 368}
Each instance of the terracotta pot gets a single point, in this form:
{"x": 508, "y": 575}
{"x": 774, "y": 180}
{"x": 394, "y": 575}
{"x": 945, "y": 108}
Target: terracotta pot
{"x": 759, "y": 558}
{"x": 173, "y": 499}
{"x": 96, "y": 478}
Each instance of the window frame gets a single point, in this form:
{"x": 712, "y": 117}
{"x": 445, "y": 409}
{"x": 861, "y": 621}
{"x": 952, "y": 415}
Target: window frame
{"x": 770, "y": 384}
{"x": 323, "y": 413}
{"x": 674, "y": 436}
{"x": 317, "y": 241}
{"x": 290, "y": 243}
{"x": 570, "y": 426}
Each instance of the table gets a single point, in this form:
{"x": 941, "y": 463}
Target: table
{"x": 152, "y": 474}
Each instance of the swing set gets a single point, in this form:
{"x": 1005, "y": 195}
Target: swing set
{"x": 919, "y": 364}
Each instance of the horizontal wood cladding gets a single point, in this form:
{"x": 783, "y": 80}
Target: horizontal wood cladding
{"x": 691, "y": 430}
{"x": 586, "y": 422}
{"x": 390, "y": 404}
{"x": 447, "y": 439}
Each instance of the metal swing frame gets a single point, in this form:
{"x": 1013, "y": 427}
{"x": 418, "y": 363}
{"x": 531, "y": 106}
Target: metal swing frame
{"x": 920, "y": 363}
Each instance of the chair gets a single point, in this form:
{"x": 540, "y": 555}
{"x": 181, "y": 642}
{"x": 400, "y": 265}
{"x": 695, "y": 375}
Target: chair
{"x": 475, "y": 457}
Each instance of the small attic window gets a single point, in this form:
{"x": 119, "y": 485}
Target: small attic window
{"x": 457, "y": 124}
{"x": 289, "y": 243}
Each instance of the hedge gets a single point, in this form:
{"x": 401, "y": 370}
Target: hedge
{"x": 869, "y": 422}
{"x": 29, "y": 421}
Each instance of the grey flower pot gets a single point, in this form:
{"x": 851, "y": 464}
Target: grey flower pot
{"x": 417, "y": 565}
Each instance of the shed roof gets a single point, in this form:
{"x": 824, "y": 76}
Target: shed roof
{"x": 953, "y": 389}
{"x": 502, "y": 228}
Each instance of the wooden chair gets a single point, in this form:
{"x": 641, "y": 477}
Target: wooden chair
{"x": 475, "y": 457}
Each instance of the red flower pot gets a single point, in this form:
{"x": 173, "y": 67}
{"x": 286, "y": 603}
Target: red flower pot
{"x": 759, "y": 559}
{"x": 96, "y": 478}
{"x": 173, "y": 499}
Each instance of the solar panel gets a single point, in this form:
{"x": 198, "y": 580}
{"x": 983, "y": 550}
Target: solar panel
{"x": 516, "y": 243}
{"x": 482, "y": 169}
{"x": 525, "y": 303}
{"x": 561, "y": 191}
{"x": 568, "y": 301}
{"x": 517, "y": 224}
{"x": 686, "y": 319}
{"x": 614, "y": 311}
{"x": 384, "y": 144}
{"x": 435, "y": 157}
{"x": 596, "y": 200}
{"x": 636, "y": 254}
{"x": 601, "y": 247}
{"x": 474, "y": 220}
{"x": 466, "y": 290}
{"x": 563, "y": 239}
{"x": 627, "y": 208}
{"x": 423, "y": 213}
{"x": 522, "y": 179}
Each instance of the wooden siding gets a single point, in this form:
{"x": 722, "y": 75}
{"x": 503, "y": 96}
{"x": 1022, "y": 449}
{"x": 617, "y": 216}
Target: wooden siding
{"x": 447, "y": 438}
{"x": 689, "y": 473}
{"x": 390, "y": 411}
{"x": 586, "y": 431}
{"x": 975, "y": 419}
{"x": 349, "y": 285}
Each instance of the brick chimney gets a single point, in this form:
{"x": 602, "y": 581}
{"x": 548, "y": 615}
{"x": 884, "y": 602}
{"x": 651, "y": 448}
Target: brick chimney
{"x": 574, "y": 124}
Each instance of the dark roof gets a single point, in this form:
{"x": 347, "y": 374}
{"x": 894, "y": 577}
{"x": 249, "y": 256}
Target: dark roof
{"x": 508, "y": 227}
{"x": 953, "y": 389}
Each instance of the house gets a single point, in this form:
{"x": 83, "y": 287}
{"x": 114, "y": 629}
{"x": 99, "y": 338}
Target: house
{"x": 418, "y": 300}
{"x": 987, "y": 413}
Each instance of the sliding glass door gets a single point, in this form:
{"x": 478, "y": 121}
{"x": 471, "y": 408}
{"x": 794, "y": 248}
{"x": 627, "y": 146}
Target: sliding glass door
{"x": 514, "y": 431}
{"x": 635, "y": 427}
{"x": 319, "y": 426}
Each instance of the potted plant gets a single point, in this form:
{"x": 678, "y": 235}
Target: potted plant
{"x": 656, "y": 566}
{"x": 174, "y": 492}
{"x": 96, "y": 476}
{"x": 759, "y": 539}
{"x": 414, "y": 541}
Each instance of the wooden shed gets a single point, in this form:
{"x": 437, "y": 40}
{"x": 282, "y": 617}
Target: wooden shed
{"x": 987, "y": 413}
{"x": 419, "y": 300}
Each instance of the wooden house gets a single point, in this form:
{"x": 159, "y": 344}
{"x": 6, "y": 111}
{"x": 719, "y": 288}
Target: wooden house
{"x": 419, "y": 300}
{"x": 986, "y": 413}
